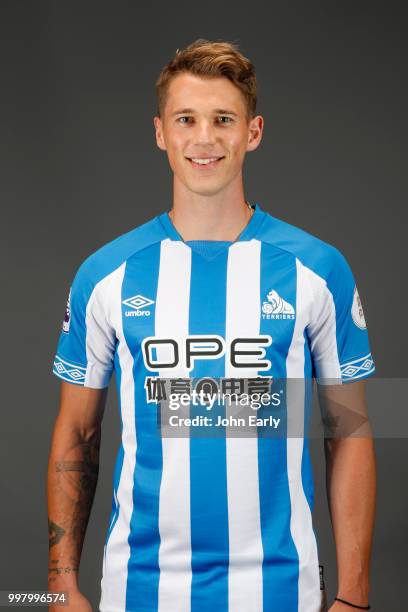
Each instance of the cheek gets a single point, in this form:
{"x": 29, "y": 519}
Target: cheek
{"x": 175, "y": 147}
{"x": 173, "y": 140}
{"x": 237, "y": 146}
{"x": 177, "y": 143}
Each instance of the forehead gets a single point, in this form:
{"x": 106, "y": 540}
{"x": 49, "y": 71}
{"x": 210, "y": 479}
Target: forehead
{"x": 203, "y": 94}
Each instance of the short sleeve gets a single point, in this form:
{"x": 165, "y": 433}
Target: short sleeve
{"x": 86, "y": 344}
{"x": 337, "y": 332}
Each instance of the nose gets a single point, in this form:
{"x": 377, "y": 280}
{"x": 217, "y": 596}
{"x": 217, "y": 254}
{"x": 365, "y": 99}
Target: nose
{"x": 205, "y": 133}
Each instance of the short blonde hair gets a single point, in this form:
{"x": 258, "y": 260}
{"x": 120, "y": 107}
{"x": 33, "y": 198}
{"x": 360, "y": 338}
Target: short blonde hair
{"x": 210, "y": 59}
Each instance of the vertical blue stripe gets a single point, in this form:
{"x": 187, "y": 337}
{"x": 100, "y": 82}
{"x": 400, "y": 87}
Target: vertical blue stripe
{"x": 281, "y": 562}
{"x": 209, "y": 504}
{"x": 141, "y": 277}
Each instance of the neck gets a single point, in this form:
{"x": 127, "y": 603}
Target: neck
{"x": 219, "y": 217}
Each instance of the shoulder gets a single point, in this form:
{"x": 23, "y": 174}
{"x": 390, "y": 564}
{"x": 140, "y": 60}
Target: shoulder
{"x": 323, "y": 258}
{"x": 109, "y": 257}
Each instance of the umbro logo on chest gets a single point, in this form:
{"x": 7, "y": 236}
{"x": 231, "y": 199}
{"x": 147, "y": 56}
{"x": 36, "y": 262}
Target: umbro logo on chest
{"x": 138, "y": 305}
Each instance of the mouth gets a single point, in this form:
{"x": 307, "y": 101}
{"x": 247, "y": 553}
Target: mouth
{"x": 205, "y": 163}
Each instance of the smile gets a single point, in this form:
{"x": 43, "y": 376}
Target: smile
{"x": 204, "y": 162}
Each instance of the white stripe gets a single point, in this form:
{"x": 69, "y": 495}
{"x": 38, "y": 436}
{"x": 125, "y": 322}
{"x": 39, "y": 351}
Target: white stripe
{"x": 100, "y": 337}
{"x": 117, "y": 553}
{"x": 243, "y": 310}
{"x": 309, "y": 594}
{"x": 172, "y": 321}
{"x": 322, "y": 329}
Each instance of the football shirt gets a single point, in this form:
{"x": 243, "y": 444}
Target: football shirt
{"x": 216, "y": 521}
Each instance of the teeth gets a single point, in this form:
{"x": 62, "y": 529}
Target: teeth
{"x": 205, "y": 161}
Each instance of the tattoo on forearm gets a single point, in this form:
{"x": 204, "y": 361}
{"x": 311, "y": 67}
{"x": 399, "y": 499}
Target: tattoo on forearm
{"x": 61, "y": 566}
{"x": 67, "y": 569}
{"x": 55, "y": 533}
{"x": 69, "y": 466}
{"x": 76, "y": 479}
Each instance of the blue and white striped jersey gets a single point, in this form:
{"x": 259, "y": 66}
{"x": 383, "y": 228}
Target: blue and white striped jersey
{"x": 216, "y": 522}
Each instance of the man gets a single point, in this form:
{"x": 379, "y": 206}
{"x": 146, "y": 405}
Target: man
{"x": 215, "y": 288}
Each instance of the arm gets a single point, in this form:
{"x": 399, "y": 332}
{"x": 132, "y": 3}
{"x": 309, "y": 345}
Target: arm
{"x": 351, "y": 488}
{"x": 72, "y": 477}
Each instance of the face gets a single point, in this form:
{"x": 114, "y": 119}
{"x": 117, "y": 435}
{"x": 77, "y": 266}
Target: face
{"x": 205, "y": 130}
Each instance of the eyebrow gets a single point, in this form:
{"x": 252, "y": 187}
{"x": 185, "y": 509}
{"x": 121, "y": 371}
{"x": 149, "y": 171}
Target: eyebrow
{"x": 218, "y": 111}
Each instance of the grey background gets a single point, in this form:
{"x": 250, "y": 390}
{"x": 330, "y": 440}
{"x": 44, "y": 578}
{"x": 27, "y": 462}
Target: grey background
{"x": 79, "y": 166}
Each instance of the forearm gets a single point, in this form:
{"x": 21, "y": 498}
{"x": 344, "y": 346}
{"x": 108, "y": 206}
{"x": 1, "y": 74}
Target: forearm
{"x": 72, "y": 477}
{"x": 351, "y": 486}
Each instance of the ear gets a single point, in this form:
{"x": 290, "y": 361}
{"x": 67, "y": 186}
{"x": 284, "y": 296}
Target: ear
{"x": 255, "y": 130}
{"x": 159, "y": 133}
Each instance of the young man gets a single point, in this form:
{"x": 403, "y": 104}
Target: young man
{"x": 215, "y": 288}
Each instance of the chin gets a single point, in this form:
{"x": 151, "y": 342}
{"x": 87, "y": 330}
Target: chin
{"x": 208, "y": 191}
{"x": 209, "y": 187}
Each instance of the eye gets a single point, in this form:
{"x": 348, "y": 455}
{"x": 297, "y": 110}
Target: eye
{"x": 225, "y": 119}
{"x": 181, "y": 119}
